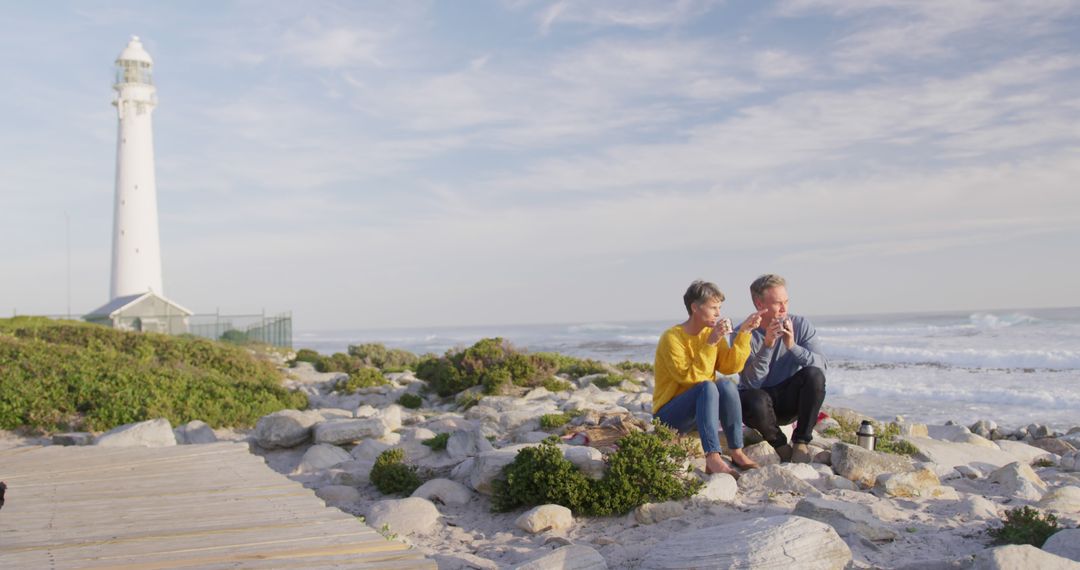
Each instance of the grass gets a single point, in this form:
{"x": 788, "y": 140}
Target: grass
{"x": 69, "y": 375}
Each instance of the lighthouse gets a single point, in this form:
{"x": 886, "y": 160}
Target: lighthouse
{"x": 136, "y": 246}
{"x": 136, "y": 297}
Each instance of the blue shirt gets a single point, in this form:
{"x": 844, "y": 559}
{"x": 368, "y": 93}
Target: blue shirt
{"x": 769, "y": 367}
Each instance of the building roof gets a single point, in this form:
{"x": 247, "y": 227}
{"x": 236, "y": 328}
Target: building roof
{"x": 118, "y": 304}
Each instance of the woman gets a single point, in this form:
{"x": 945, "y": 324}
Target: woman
{"x": 687, "y": 393}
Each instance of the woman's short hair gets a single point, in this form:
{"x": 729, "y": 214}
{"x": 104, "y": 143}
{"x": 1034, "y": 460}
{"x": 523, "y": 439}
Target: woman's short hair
{"x": 764, "y": 283}
{"x": 699, "y": 292}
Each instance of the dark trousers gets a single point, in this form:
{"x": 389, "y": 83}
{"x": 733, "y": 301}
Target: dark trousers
{"x": 799, "y": 397}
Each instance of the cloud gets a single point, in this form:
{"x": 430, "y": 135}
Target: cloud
{"x": 313, "y": 44}
{"x": 638, "y": 14}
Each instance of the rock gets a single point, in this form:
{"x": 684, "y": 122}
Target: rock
{"x": 913, "y": 429}
{"x": 1019, "y": 480}
{"x": 762, "y": 453}
{"x": 1038, "y": 431}
{"x": 588, "y": 459}
{"x": 444, "y": 491}
{"x": 847, "y": 518}
{"x": 838, "y": 482}
{"x": 950, "y": 454}
{"x": 338, "y": 495}
{"x": 73, "y": 438}
{"x": 804, "y": 471}
{"x": 369, "y": 450}
{"x": 285, "y": 428}
{"x": 774, "y": 478}
{"x": 344, "y": 431}
{"x": 391, "y": 417}
{"x": 365, "y": 411}
{"x": 917, "y": 483}
{"x": 194, "y": 432}
{"x": 975, "y": 439}
{"x": 403, "y": 516}
{"x": 826, "y": 424}
{"x": 352, "y": 473}
{"x": 767, "y": 542}
{"x": 983, "y": 428}
{"x": 322, "y": 456}
{"x": 151, "y": 433}
{"x": 652, "y": 513}
{"x": 719, "y": 487}
{"x": 948, "y": 432}
{"x": 544, "y": 518}
{"x": 1070, "y": 461}
{"x": 863, "y": 466}
{"x": 1053, "y": 445}
{"x": 968, "y": 472}
{"x": 573, "y": 557}
{"x": 1064, "y": 543}
{"x": 976, "y": 507}
{"x": 1063, "y": 500}
{"x": 467, "y": 443}
{"x": 488, "y": 466}
{"x": 1023, "y": 452}
{"x": 1015, "y": 557}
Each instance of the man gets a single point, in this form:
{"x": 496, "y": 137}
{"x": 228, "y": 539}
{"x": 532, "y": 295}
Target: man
{"x": 784, "y": 378}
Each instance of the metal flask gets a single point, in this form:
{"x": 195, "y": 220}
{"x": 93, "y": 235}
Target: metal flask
{"x": 865, "y": 436}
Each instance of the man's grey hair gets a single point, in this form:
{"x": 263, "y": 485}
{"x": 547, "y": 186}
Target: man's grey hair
{"x": 700, "y": 292}
{"x": 764, "y": 283}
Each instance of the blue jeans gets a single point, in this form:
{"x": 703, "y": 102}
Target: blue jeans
{"x": 707, "y": 405}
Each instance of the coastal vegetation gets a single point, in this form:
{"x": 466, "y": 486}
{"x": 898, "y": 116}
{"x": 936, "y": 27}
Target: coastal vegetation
{"x": 391, "y": 475}
{"x": 1025, "y": 525}
{"x": 646, "y": 467}
{"x": 68, "y": 375}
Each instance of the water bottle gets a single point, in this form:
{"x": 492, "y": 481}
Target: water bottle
{"x": 865, "y": 436}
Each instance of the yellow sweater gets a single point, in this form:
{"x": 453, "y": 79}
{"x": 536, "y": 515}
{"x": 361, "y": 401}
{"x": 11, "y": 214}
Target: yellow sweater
{"x": 683, "y": 360}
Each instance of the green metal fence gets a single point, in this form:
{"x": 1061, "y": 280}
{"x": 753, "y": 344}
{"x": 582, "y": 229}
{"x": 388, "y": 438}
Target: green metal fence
{"x": 275, "y": 330}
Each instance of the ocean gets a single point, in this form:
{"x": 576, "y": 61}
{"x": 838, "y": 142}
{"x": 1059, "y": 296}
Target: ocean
{"x": 1014, "y": 367}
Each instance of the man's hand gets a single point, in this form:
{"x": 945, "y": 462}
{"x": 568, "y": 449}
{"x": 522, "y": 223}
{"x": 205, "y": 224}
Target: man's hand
{"x": 752, "y": 322}
{"x": 776, "y": 330}
{"x": 787, "y": 331}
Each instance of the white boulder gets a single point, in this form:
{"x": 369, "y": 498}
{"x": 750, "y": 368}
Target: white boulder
{"x": 768, "y": 542}
{"x": 322, "y": 456}
{"x": 444, "y": 491}
{"x": 544, "y": 518}
{"x": 151, "y": 433}
{"x": 403, "y": 516}
{"x": 284, "y": 428}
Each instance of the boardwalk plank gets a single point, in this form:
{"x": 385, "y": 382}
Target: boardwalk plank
{"x": 198, "y": 506}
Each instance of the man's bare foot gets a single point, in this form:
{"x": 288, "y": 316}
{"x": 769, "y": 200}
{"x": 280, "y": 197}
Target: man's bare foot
{"x": 716, "y": 464}
{"x": 742, "y": 460}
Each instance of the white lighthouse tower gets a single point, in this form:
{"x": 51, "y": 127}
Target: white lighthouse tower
{"x": 136, "y": 252}
{"x": 136, "y": 298}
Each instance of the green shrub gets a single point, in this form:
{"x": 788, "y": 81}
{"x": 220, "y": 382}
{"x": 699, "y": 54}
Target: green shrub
{"x": 339, "y": 362}
{"x": 468, "y": 399}
{"x": 391, "y": 475}
{"x": 1025, "y": 525}
{"x": 541, "y": 475}
{"x": 556, "y": 384}
{"x": 578, "y": 367}
{"x": 628, "y": 366}
{"x": 549, "y": 421}
{"x": 66, "y": 375}
{"x": 361, "y": 378}
{"x": 887, "y": 441}
{"x": 235, "y": 337}
{"x": 609, "y": 381}
{"x": 492, "y": 363}
{"x": 377, "y": 355}
{"x": 647, "y": 467}
{"x": 411, "y": 401}
{"x": 305, "y": 355}
{"x": 437, "y": 443}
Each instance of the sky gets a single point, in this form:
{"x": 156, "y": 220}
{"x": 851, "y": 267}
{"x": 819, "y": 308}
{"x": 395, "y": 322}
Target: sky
{"x": 414, "y": 163}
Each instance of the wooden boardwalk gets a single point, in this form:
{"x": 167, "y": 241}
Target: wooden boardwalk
{"x": 190, "y": 506}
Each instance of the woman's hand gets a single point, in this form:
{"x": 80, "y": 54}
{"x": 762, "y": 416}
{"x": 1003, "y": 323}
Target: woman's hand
{"x": 752, "y": 322}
